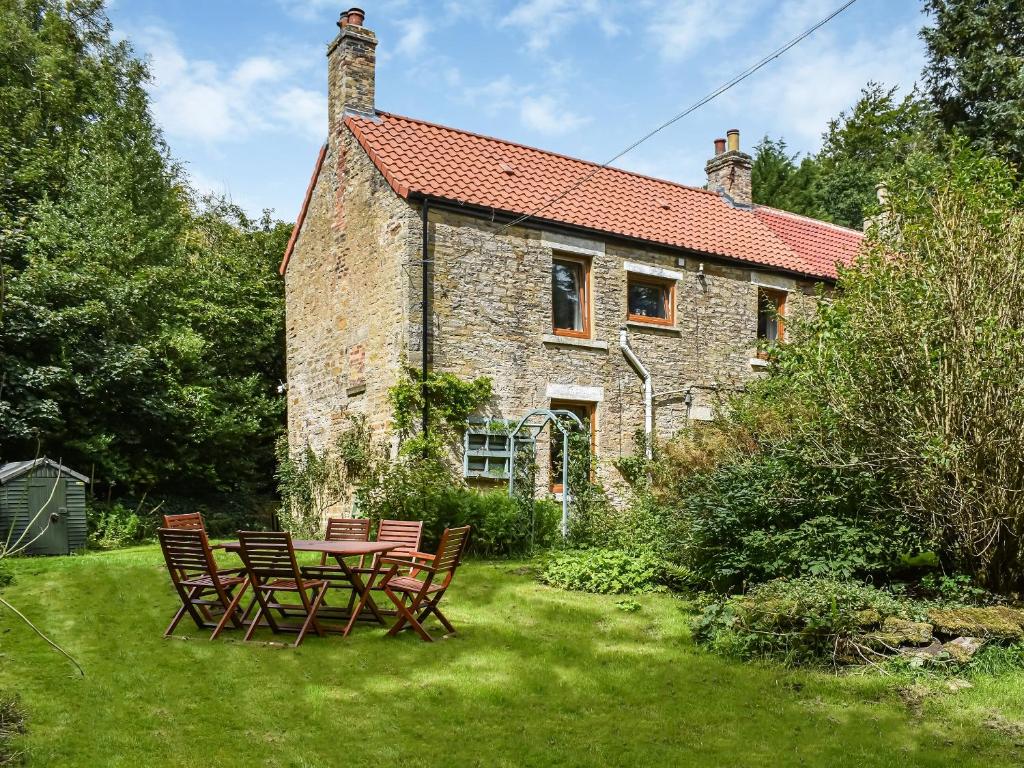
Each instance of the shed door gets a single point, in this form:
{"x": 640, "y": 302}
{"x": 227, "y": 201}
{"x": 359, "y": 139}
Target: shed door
{"x": 51, "y": 523}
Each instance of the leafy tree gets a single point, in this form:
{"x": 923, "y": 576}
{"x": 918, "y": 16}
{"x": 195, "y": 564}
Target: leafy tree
{"x": 863, "y": 144}
{"x": 975, "y": 71}
{"x": 140, "y": 331}
{"x": 780, "y": 181}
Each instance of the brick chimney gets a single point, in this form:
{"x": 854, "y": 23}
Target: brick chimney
{"x": 351, "y": 68}
{"x": 729, "y": 170}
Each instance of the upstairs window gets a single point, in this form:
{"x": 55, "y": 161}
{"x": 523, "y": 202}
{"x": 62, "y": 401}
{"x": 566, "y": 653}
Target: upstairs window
{"x": 570, "y": 297}
{"x": 771, "y": 313}
{"x": 650, "y": 300}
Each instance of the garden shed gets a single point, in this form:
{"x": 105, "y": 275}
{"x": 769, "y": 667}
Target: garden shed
{"x": 43, "y": 503}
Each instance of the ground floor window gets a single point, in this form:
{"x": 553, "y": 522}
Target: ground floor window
{"x": 586, "y": 414}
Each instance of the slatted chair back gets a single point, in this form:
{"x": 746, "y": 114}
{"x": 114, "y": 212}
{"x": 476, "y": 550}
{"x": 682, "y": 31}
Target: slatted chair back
{"x": 187, "y": 553}
{"x": 449, "y": 552}
{"x": 407, "y": 532}
{"x": 188, "y": 521}
{"x": 346, "y": 529}
{"x": 268, "y": 555}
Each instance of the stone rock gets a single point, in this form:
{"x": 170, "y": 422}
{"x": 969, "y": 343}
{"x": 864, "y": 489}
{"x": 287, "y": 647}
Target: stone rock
{"x": 963, "y": 649}
{"x": 909, "y": 632}
{"x": 991, "y": 621}
{"x": 958, "y": 684}
{"x": 919, "y": 657}
{"x": 868, "y": 618}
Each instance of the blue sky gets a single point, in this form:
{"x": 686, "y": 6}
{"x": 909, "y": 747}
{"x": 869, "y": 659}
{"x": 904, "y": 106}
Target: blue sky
{"x": 240, "y": 89}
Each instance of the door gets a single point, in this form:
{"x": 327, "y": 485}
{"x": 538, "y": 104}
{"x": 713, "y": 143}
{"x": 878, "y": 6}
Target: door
{"x": 47, "y": 509}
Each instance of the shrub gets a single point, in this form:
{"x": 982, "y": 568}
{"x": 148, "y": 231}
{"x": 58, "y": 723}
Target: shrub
{"x": 802, "y": 620}
{"x": 416, "y": 488}
{"x": 776, "y": 513}
{"x": 115, "y": 525}
{"x": 6, "y": 577}
{"x": 605, "y": 571}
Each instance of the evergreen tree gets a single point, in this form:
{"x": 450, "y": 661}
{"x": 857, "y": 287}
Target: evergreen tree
{"x": 780, "y": 181}
{"x": 975, "y": 71}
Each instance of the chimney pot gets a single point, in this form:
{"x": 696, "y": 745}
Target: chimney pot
{"x": 719, "y": 146}
{"x": 733, "y": 138}
{"x": 356, "y": 16}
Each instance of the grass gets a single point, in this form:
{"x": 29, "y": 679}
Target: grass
{"x": 537, "y": 677}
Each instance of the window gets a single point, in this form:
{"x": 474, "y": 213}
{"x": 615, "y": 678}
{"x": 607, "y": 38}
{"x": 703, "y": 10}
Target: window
{"x": 771, "y": 312}
{"x": 650, "y": 300}
{"x": 570, "y": 297}
{"x": 585, "y": 411}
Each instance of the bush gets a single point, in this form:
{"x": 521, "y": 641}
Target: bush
{"x": 802, "y": 620}
{"x": 776, "y": 512}
{"x": 115, "y": 525}
{"x": 426, "y": 489}
{"x": 604, "y": 571}
{"x": 6, "y": 577}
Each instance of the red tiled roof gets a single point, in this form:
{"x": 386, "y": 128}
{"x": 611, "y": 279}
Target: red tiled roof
{"x": 419, "y": 158}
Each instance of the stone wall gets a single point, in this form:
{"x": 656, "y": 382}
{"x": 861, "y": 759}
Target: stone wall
{"x": 346, "y": 298}
{"x": 492, "y": 310}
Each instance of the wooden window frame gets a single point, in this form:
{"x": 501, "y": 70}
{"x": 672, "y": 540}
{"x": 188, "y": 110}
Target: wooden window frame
{"x": 585, "y": 291}
{"x": 660, "y": 282}
{"x": 778, "y": 298}
{"x": 555, "y": 483}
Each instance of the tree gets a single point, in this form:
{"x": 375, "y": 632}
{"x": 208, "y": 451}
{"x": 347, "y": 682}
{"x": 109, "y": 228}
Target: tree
{"x": 780, "y": 181}
{"x": 863, "y": 144}
{"x": 140, "y": 330}
{"x": 912, "y": 372}
{"x": 975, "y": 71}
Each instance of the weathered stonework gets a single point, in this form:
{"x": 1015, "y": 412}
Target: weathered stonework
{"x": 730, "y": 172}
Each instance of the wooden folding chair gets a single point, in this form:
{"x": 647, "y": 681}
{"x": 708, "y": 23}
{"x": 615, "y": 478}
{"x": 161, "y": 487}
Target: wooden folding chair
{"x": 423, "y": 595}
{"x": 185, "y": 522}
{"x": 340, "y": 529}
{"x": 407, "y": 533}
{"x": 270, "y": 562}
{"x": 198, "y": 581}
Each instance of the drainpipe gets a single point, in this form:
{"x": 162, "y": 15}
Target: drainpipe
{"x": 634, "y": 361}
{"x": 425, "y": 340}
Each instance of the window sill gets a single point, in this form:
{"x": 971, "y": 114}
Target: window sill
{"x": 358, "y": 389}
{"x": 758, "y": 363}
{"x": 674, "y": 330}
{"x": 572, "y": 341}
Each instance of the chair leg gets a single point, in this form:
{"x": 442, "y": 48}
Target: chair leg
{"x": 230, "y": 612}
{"x": 433, "y": 609}
{"x": 174, "y": 622}
{"x": 407, "y": 615}
{"x": 311, "y": 618}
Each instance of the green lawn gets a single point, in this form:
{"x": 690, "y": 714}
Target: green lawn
{"x": 536, "y": 677}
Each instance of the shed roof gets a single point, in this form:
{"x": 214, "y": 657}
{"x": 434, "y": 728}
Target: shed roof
{"x": 15, "y": 469}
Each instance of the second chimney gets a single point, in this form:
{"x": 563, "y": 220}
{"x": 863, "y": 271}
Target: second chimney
{"x": 729, "y": 170}
{"x": 351, "y": 68}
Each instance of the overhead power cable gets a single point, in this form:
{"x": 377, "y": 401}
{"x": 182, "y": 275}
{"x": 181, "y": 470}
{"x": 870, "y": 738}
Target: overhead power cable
{"x": 689, "y": 110}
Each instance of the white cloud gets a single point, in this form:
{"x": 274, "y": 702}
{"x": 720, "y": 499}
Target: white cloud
{"x": 199, "y": 100}
{"x": 308, "y": 10}
{"x": 545, "y": 115}
{"x": 680, "y": 28}
{"x": 822, "y": 76}
{"x": 544, "y": 20}
{"x": 414, "y": 36}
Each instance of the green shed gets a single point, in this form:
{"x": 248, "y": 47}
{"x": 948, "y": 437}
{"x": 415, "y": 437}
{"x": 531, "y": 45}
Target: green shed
{"x": 48, "y": 500}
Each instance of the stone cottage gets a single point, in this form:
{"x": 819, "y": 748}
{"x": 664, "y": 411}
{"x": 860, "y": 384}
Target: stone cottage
{"x": 627, "y": 299}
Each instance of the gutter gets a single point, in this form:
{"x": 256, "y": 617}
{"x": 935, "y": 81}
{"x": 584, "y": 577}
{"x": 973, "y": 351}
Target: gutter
{"x": 645, "y": 375}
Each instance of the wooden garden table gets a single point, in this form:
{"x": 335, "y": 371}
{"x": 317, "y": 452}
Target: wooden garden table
{"x": 339, "y": 550}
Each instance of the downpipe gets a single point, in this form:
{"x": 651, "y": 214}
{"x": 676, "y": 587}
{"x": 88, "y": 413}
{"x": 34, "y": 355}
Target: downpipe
{"x": 645, "y": 375}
